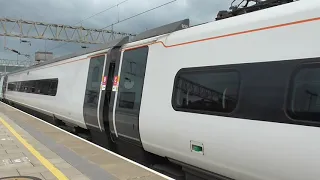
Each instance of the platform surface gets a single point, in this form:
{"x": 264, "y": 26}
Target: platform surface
{"x": 32, "y": 147}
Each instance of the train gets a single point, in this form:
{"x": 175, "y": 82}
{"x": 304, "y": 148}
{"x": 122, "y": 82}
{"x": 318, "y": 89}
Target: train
{"x": 234, "y": 98}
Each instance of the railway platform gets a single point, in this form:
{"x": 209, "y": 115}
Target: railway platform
{"x": 31, "y": 148}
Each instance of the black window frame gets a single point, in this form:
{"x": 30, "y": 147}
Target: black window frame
{"x": 214, "y": 69}
{"x": 289, "y": 93}
{"x": 35, "y": 81}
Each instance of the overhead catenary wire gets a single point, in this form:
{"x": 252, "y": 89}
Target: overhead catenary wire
{"x": 102, "y": 11}
{"x": 140, "y": 13}
{"x": 116, "y": 5}
{"x": 159, "y": 6}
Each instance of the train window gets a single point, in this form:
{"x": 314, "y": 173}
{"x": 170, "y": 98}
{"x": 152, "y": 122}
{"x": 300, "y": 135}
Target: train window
{"x": 206, "y": 91}
{"x": 43, "y": 86}
{"x": 132, "y": 77}
{"x": 94, "y": 80}
{"x": 53, "y": 88}
{"x": 304, "y": 95}
{"x": 11, "y": 86}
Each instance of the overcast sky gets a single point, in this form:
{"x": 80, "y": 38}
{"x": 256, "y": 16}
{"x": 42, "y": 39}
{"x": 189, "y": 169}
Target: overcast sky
{"x": 72, "y": 11}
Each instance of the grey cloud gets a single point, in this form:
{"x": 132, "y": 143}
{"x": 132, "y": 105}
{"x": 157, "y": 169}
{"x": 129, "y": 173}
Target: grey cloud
{"x": 72, "y": 11}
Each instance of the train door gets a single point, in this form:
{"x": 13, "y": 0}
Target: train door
{"x": 98, "y": 96}
{"x": 91, "y": 106}
{"x": 128, "y": 88}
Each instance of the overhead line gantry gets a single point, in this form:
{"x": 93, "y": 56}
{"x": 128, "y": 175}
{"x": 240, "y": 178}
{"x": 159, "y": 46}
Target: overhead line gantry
{"x": 56, "y": 32}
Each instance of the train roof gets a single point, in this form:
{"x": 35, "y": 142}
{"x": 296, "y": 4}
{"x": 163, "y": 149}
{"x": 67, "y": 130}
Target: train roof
{"x": 166, "y": 29}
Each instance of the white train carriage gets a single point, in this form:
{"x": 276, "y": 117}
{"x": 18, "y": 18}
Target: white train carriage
{"x": 66, "y": 88}
{"x": 231, "y": 99}
{"x": 238, "y": 97}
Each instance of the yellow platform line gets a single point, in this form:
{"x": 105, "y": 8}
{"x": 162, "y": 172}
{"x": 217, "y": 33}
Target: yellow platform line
{"x": 56, "y": 172}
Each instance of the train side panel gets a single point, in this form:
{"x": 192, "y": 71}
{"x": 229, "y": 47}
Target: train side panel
{"x": 235, "y": 147}
{"x": 67, "y": 104}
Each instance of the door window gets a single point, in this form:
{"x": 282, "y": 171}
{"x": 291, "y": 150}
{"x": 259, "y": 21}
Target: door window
{"x": 94, "y": 80}
{"x": 132, "y": 77}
